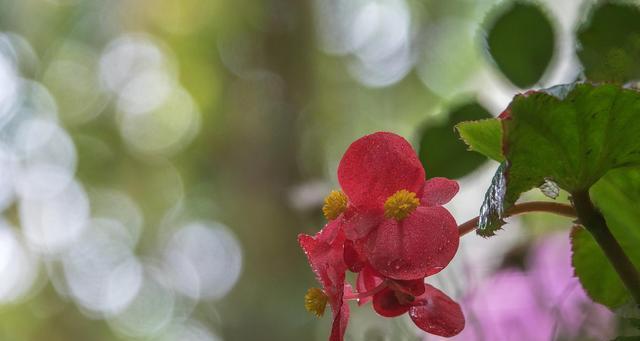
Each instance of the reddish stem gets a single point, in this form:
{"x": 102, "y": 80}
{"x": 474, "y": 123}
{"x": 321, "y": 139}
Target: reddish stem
{"x": 371, "y": 292}
{"x": 525, "y": 207}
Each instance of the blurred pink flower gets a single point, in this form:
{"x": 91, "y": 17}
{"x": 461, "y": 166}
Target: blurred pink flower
{"x": 545, "y": 302}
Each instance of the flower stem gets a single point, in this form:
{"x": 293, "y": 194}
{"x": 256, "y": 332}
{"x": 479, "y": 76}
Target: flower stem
{"x": 525, "y": 207}
{"x": 595, "y": 223}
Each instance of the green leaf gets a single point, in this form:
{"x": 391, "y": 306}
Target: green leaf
{"x": 579, "y": 136}
{"x": 484, "y": 137}
{"x": 571, "y": 135}
{"x": 617, "y": 196}
{"x": 439, "y": 145}
{"x": 597, "y": 276}
{"x": 610, "y": 43}
{"x": 521, "y": 41}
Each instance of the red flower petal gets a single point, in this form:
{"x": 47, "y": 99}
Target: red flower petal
{"x": 325, "y": 252}
{"x": 418, "y": 246}
{"x": 436, "y": 313}
{"x": 387, "y": 304}
{"x": 366, "y": 281}
{"x": 438, "y": 191}
{"x": 376, "y": 166}
{"x": 357, "y": 224}
{"x": 352, "y": 256}
{"x": 339, "y": 325}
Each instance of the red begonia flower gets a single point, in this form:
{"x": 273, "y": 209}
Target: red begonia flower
{"x": 389, "y": 226}
{"x": 429, "y": 308}
{"x": 325, "y": 254}
{"x": 406, "y": 233}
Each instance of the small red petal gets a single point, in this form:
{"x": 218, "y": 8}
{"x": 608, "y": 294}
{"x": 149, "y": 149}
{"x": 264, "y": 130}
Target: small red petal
{"x": 325, "y": 252}
{"x": 355, "y": 262}
{"x": 376, "y": 166}
{"x": 387, "y": 304}
{"x": 438, "y": 191}
{"x": 418, "y": 246}
{"x": 366, "y": 281}
{"x": 436, "y": 313}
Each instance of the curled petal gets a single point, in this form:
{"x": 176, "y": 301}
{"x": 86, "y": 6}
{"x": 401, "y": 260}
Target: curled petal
{"x": 366, "y": 281}
{"x": 388, "y": 303}
{"x": 325, "y": 252}
{"x": 376, "y": 166}
{"x": 438, "y": 191}
{"x": 436, "y": 313}
{"x": 325, "y": 238}
{"x": 418, "y": 246}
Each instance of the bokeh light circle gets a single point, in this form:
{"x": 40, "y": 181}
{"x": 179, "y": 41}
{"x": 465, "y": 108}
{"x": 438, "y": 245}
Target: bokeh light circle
{"x": 53, "y": 223}
{"x": 151, "y": 311}
{"x": 18, "y": 267}
{"x": 79, "y": 97}
{"x": 164, "y": 130}
{"x": 47, "y": 158}
{"x": 117, "y": 206}
{"x": 101, "y": 271}
{"x": 203, "y": 260}
{"x": 189, "y": 331}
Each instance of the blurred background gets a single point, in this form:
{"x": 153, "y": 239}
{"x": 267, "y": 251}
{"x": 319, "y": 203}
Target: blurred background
{"x": 159, "y": 158}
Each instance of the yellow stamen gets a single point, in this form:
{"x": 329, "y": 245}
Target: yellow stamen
{"x": 334, "y": 204}
{"x": 400, "y": 204}
{"x": 315, "y": 301}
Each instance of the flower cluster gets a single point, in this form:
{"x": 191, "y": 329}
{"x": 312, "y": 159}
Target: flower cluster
{"x": 388, "y": 225}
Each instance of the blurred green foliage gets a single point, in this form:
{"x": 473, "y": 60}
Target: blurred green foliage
{"x": 521, "y": 40}
{"x": 609, "y": 42}
{"x": 442, "y": 152}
